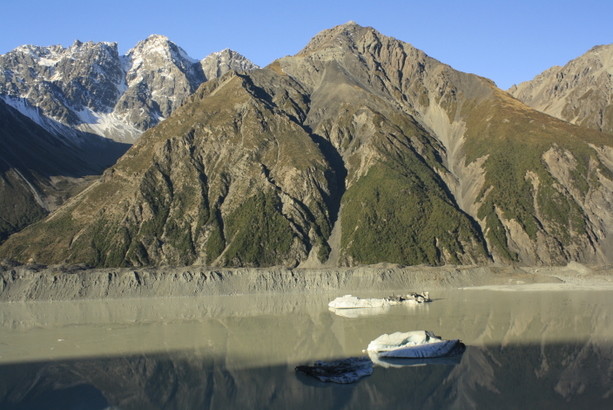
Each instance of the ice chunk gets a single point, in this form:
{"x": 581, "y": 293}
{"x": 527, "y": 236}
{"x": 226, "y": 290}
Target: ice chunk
{"x": 354, "y": 302}
{"x": 415, "y": 344}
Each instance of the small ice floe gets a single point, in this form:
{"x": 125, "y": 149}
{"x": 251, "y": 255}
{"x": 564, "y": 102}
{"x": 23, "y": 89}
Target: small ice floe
{"x": 342, "y": 371}
{"x": 354, "y": 302}
{"x": 418, "y": 344}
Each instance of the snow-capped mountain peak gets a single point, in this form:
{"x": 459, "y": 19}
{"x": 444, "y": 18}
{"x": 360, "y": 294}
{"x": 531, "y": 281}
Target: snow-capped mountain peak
{"x": 160, "y": 46}
{"x": 89, "y": 87}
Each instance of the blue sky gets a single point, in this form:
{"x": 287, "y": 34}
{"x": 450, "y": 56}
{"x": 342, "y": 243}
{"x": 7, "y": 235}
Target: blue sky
{"x": 506, "y": 41}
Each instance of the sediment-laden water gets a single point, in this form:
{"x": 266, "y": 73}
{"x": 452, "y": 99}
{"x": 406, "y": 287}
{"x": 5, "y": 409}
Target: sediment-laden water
{"x": 530, "y": 349}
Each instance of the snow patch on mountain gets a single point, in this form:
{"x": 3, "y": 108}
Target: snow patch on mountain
{"x": 111, "y": 125}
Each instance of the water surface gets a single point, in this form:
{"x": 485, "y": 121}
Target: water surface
{"x": 539, "y": 349}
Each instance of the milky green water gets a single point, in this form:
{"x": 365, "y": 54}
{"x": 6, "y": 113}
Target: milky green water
{"x": 539, "y": 349}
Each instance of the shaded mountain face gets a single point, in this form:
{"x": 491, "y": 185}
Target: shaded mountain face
{"x": 359, "y": 149}
{"x": 581, "y": 92}
{"x": 39, "y": 170}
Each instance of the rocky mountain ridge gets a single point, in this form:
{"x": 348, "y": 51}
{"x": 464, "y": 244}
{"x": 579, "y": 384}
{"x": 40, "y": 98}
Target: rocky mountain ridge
{"x": 580, "y": 92}
{"x": 358, "y": 150}
{"x": 89, "y": 87}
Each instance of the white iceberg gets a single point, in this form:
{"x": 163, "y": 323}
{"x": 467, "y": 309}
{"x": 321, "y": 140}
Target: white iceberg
{"x": 354, "y": 302}
{"x": 418, "y": 344}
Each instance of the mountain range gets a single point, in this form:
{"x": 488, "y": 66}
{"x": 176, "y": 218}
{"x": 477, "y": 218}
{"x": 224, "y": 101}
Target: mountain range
{"x": 89, "y": 87}
{"x": 69, "y": 113}
{"x": 359, "y": 149}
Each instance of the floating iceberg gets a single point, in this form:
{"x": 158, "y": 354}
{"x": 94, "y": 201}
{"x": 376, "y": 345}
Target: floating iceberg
{"x": 417, "y": 348}
{"x": 342, "y": 371}
{"x": 354, "y": 302}
{"x": 419, "y": 344}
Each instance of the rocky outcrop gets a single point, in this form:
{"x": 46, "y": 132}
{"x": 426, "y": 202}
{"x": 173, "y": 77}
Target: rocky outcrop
{"x": 407, "y": 160}
{"x": 217, "y": 64}
{"x": 581, "y": 92}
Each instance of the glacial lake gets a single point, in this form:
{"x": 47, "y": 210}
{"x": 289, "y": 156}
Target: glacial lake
{"x": 545, "y": 349}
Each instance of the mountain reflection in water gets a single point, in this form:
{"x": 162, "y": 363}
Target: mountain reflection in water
{"x": 524, "y": 349}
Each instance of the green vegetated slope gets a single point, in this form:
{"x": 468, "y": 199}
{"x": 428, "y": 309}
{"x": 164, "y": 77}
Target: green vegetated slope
{"x": 411, "y": 161}
{"x": 544, "y": 180}
{"x": 396, "y": 207}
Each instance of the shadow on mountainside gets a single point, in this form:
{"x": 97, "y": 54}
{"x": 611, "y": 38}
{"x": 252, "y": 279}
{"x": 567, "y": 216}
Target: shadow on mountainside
{"x": 336, "y": 178}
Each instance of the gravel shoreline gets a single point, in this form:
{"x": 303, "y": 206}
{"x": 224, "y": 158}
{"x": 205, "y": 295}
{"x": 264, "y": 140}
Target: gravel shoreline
{"x": 23, "y": 283}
